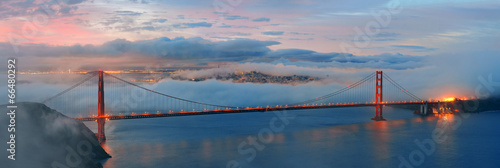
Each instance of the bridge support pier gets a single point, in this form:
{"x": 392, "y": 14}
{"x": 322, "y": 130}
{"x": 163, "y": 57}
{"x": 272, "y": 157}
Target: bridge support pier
{"x": 100, "y": 109}
{"x": 378, "y": 98}
{"x": 378, "y": 113}
{"x": 423, "y": 109}
{"x": 100, "y": 130}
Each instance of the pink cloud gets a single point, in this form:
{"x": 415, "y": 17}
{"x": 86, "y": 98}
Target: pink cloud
{"x": 60, "y": 31}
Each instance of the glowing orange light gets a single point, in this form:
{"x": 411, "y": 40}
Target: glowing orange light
{"x": 449, "y": 99}
{"x": 113, "y": 72}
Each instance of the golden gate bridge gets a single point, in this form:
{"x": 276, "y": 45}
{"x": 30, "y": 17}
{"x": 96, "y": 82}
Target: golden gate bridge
{"x": 127, "y": 100}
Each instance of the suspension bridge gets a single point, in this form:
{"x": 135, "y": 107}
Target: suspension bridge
{"x": 123, "y": 99}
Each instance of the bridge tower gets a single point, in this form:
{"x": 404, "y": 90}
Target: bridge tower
{"x": 100, "y": 108}
{"x": 378, "y": 97}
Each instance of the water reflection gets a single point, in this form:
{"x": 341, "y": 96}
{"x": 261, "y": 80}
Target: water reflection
{"x": 146, "y": 159}
{"x": 373, "y": 144}
{"x": 159, "y": 151}
{"x": 207, "y": 149}
{"x": 380, "y": 140}
{"x": 329, "y": 144}
{"x": 279, "y": 138}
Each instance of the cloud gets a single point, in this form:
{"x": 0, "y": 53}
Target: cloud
{"x": 299, "y": 39}
{"x": 199, "y": 50}
{"x": 126, "y": 21}
{"x": 273, "y": 33}
{"x": 111, "y": 21}
{"x": 155, "y": 21}
{"x": 237, "y": 34}
{"x": 181, "y": 48}
{"x": 234, "y": 26}
{"x": 385, "y": 39}
{"x": 235, "y": 17}
{"x": 297, "y": 33}
{"x": 192, "y": 25}
{"x": 336, "y": 72}
{"x": 72, "y": 2}
{"x": 414, "y": 48}
{"x": 177, "y": 48}
{"x": 225, "y": 26}
{"x": 202, "y": 51}
{"x": 262, "y": 19}
{"x": 416, "y": 30}
{"x": 54, "y": 8}
{"x": 140, "y": 1}
{"x": 159, "y": 20}
{"x": 315, "y": 59}
{"x": 128, "y": 13}
{"x": 386, "y": 34}
{"x": 224, "y": 38}
{"x": 150, "y": 28}
{"x": 220, "y": 13}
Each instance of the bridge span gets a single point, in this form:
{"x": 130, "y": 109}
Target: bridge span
{"x": 242, "y": 110}
{"x": 369, "y": 91}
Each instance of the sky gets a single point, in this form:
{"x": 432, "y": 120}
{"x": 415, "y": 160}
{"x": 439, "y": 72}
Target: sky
{"x": 435, "y": 43}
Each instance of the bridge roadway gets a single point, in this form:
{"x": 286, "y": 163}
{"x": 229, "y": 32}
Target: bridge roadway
{"x": 243, "y": 110}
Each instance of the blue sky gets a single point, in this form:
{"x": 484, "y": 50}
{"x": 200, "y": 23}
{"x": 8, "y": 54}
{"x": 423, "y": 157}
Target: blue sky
{"x": 417, "y": 27}
{"x": 314, "y": 36}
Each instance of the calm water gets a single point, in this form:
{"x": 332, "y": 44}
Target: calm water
{"x": 313, "y": 138}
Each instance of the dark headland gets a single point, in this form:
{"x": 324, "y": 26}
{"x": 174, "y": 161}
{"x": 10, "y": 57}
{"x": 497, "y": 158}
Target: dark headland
{"x": 47, "y": 138}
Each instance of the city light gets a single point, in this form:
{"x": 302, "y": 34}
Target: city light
{"x": 449, "y": 99}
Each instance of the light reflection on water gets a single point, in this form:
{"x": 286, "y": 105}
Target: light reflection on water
{"x": 370, "y": 144}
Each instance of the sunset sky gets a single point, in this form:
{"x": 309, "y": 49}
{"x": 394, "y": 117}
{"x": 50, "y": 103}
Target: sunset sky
{"x": 456, "y": 40}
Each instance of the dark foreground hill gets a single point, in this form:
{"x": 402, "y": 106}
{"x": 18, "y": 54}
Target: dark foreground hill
{"x": 47, "y": 138}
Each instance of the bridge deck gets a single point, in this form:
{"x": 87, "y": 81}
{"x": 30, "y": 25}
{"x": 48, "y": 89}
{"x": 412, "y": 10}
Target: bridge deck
{"x": 240, "y": 110}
